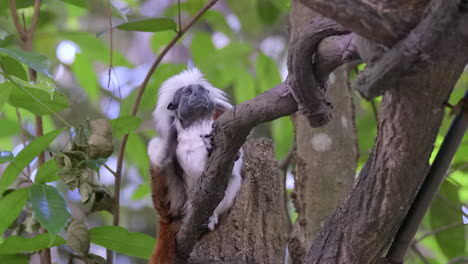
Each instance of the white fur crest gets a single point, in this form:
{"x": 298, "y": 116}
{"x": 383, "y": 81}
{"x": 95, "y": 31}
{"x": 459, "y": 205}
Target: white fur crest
{"x": 162, "y": 116}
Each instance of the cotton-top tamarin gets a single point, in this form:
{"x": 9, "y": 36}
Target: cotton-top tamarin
{"x": 186, "y": 109}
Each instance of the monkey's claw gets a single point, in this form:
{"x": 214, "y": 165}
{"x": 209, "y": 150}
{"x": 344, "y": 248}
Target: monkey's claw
{"x": 212, "y": 222}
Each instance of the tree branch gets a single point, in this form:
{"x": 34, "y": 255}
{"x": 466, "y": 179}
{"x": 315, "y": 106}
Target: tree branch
{"x": 229, "y": 133}
{"x": 417, "y": 46}
{"x": 307, "y": 88}
{"x": 136, "y": 104}
{"x": 358, "y": 16}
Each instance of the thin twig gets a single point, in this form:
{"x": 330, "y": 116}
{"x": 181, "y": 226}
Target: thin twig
{"x": 16, "y": 20}
{"x": 110, "y": 170}
{"x": 109, "y": 14}
{"x": 23, "y": 135}
{"x": 27, "y": 37}
{"x": 141, "y": 90}
{"x": 109, "y": 253}
{"x": 438, "y": 230}
{"x": 32, "y": 27}
{"x": 179, "y": 15}
{"x": 418, "y": 252}
{"x": 458, "y": 260}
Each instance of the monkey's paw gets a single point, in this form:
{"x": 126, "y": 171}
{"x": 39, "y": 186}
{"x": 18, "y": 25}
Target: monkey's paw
{"x": 208, "y": 141}
{"x": 213, "y": 221}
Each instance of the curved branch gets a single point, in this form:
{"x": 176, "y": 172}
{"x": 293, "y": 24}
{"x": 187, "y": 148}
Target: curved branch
{"x": 136, "y": 104}
{"x": 307, "y": 87}
{"x": 229, "y": 133}
{"x": 380, "y": 22}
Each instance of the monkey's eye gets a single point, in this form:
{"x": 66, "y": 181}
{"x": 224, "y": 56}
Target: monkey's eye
{"x": 188, "y": 91}
{"x": 202, "y": 89}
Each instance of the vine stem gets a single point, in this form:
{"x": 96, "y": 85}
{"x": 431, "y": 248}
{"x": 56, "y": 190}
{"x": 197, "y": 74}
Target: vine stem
{"x": 109, "y": 253}
{"x": 26, "y": 36}
{"x": 141, "y": 90}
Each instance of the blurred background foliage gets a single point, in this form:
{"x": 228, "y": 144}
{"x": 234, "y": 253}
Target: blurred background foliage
{"x": 241, "y": 46}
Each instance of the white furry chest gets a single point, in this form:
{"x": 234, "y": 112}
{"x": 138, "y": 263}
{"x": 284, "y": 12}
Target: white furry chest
{"x": 191, "y": 151}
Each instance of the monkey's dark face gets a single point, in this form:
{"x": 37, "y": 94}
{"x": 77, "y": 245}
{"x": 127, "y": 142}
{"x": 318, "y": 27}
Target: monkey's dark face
{"x": 192, "y": 103}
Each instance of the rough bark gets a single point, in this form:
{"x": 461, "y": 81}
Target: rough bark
{"x": 308, "y": 91}
{"x": 325, "y": 157}
{"x": 409, "y": 119}
{"x": 325, "y": 167}
{"x": 381, "y": 21}
{"x": 255, "y": 229}
{"x": 229, "y": 133}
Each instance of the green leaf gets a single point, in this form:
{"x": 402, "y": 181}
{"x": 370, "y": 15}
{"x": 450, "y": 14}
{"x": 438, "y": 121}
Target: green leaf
{"x": 9, "y": 127}
{"x": 217, "y": 20}
{"x": 443, "y": 213}
{"x": 119, "y": 239}
{"x": 95, "y": 49}
{"x": 18, "y": 244}
{"x": 149, "y": 25}
{"x": 13, "y": 67}
{"x": 25, "y": 157}
{"x": 136, "y": 154}
{"x": 38, "y": 62}
{"x": 84, "y": 73}
{"x": 202, "y": 48}
{"x": 5, "y": 92}
{"x": 36, "y": 100}
{"x": 95, "y": 164}
{"x": 244, "y": 87}
{"x": 6, "y": 156}
{"x": 124, "y": 125}
{"x": 142, "y": 190}
{"x": 267, "y": 72}
{"x": 11, "y": 206}
{"x": 161, "y": 39}
{"x": 267, "y": 11}
{"x": 78, "y": 3}
{"x": 47, "y": 172}
{"x": 19, "y": 4}
{"x": 14, "y": 259}
{"x": 49, "y": 208}
{"x": 283, "y": 136}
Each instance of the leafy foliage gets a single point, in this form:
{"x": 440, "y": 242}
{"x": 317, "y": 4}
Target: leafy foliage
{"x": 49, "y": 208}
{"x": 11, "y": 206}
{"x": 18, "y": 244}
{"x": 236, "y": 49}
{"x": 25, "y": 157}
{"x": 120, "y": 240}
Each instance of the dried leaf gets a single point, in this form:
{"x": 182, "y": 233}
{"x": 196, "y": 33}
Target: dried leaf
{"x": 78, "y": 237}
{"x": 100, "y": 141}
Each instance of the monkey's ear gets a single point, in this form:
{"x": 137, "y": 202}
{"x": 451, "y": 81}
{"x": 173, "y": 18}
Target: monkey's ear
{"x": 171, "y": 106}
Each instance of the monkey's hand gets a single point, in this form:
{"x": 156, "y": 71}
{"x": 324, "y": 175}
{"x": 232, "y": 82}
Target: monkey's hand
{"x": 209, "y": 143}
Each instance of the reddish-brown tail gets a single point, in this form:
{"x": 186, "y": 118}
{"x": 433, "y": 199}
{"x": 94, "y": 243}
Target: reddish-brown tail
{"x": 164, "y": 252}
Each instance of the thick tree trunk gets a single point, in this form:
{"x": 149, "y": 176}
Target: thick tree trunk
{"x": 326, "y": 157}
{"x": 409, "y": 119}
{"x": 255, "y": 229}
